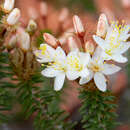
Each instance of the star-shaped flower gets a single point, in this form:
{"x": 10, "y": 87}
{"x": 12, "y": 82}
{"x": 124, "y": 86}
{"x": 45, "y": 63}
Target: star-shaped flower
{"x": 45, "y": 53}
{"x": 77, "y": 65}
{"x": 57, "y": 68}
{"x": 114, "y": 44}
{"x": 98, "y": 68}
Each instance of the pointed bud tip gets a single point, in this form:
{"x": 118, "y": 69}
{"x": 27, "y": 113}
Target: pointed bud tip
{"x": 78, "y": 26}
{"x": 50, "y": 39}
{"x": 102, "y": 25}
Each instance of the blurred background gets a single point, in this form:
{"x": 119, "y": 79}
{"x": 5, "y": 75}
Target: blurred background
{"x": 55, "y": 16}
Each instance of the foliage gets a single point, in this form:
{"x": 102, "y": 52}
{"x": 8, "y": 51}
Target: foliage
{"x": 87, "y": 4}
{"x": 42, "y": 101}
{"x": 128, "y": 66}
{"x": 6, "y": 88}
{"x": 1, "y": 15}
{"x": 97, "y": 110}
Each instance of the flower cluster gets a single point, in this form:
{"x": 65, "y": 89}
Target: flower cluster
{"x": 111, "y": 43}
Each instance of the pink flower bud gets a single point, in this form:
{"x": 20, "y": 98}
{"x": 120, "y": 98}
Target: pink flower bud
{"x": 78, "y": 26}
{"x": 102, "y": 25}
{"x": 89, "y": 47}
{"x": 72, "y": 44}
{"x": 63, "y": 15}
{"x": 51, "y": 40}
{"x": 8, "y": 5}
{"x": 43, "y": 9}
{"x": 13, "y": 16}
{"x": 23, "y": 40}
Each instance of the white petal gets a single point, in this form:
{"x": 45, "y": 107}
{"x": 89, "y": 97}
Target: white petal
{"x": 73, "y": 57}
{"x": 84, "y": 80}
{"x": 126, "y": 29}
{"x": 100, "y": 81}
{"x": 49, "y": 50}
{"x": 45, "y": 60}
{"x": 124, "y": 46}
{"x": 73, "y": 53}
{"x": 84, "y": 73}
{"x": 47, "y": 55}
{"x": 102, "y": 43}
{"x": 110, "y": 69}
{"x": 109, "y": 32}
{"x": 84, "y": 58}
{"x": 124, "y": 37}
{"x": 98, "y": 55}
{"x": 105, "y": 56}
{"x": 60, "y": 54}
{"x": 119, "y": 58}
{"x": 72, "y": 75}
{"x": 59, "y": 81}
{"x": 42, "y": 58}
{"x": 50, "y": 72}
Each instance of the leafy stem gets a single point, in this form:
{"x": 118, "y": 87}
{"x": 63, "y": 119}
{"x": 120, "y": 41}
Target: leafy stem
{"x": 97, "y": 109}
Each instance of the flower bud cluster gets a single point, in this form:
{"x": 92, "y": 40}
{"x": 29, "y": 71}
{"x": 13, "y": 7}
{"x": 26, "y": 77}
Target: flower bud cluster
{"x": 21, "y": 55}
{"x": 18, "y": 40}
{"x": 12, "y": 15}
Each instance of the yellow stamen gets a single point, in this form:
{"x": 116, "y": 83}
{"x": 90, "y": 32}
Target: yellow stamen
{"x": 43, "y": 49}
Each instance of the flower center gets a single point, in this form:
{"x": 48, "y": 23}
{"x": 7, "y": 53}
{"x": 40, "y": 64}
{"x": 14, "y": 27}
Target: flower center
{"x": 95, "y": 67}
{"x": 58, "y": 66}
{"x": 75, "y": 64}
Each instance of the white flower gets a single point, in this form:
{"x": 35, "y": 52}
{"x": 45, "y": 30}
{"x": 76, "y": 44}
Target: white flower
{"x": 13, "y": 16}
{"x": 8, "y": 5}
{"x": 77, "y": 65}
{"x": 57, "y": 69}
{"x": 45, "y": 53}
{"x": 114, "y": 44}
{"x": 98, "y": 69}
